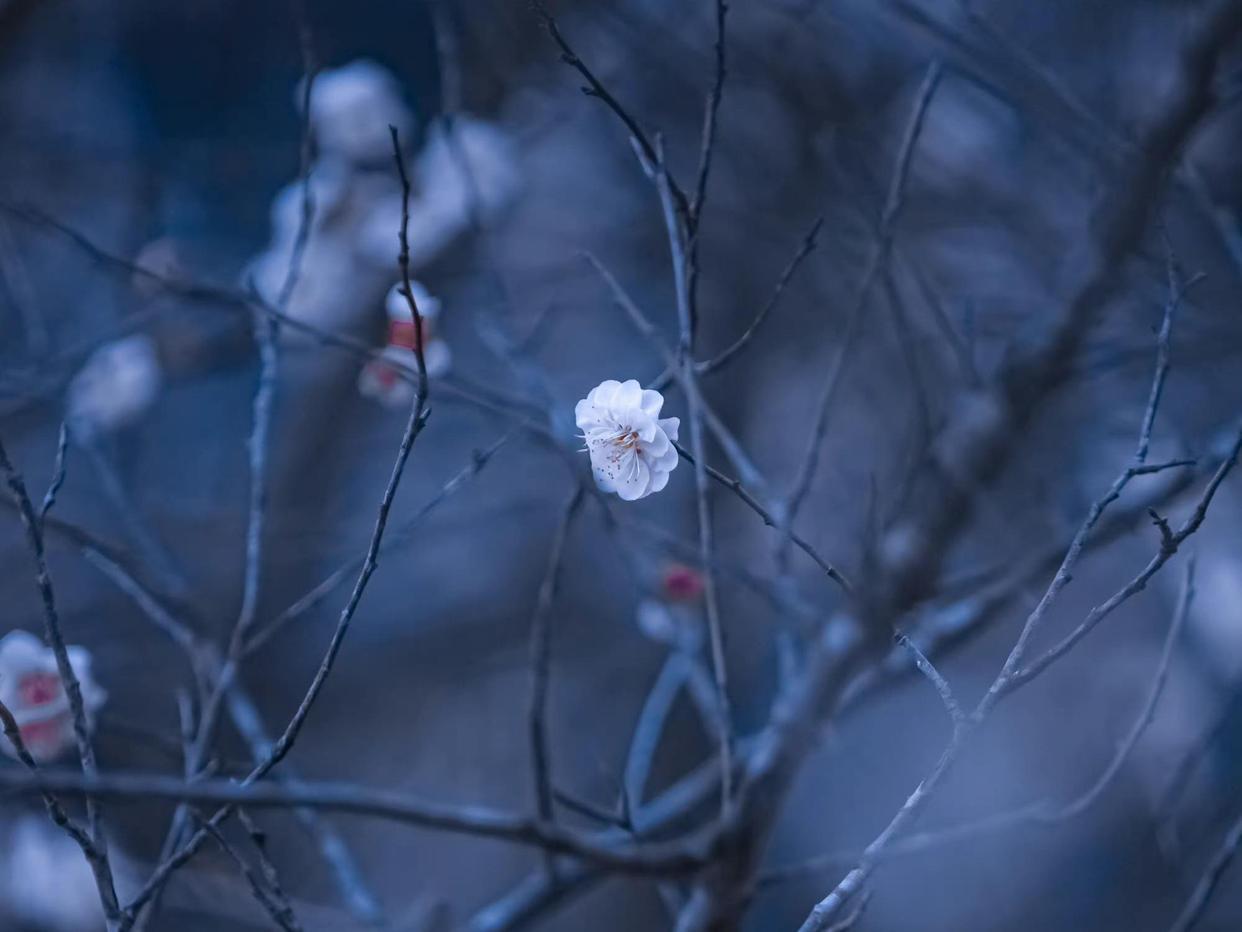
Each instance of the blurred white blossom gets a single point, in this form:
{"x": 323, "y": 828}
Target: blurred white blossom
{"x": 474, "y": 170}
{"x": 117, "y": 385}
{"x": 351, "y": 253}
{"x": 351, "y": 108}
{"x": 631, "y": 446}
{"x": 31, "y": 689}
{"x": 44, "y": 880}
{"x": 380, "y": 378}
{"x": 672, "y": 615}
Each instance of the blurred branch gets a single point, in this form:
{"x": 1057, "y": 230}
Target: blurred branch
{"x": 754, "y": 505}
{"x": 414, "y": 427}
{"x": 654, "y": 859}
{"x": 928, "y": 669}
{"x": 540, "y": 658}
{"x": 1045, "y": 812}
{"x": 595, "y": 88}
{"x": 972, "y": 450}
{"x": 711, "y": 112}
{"x": 58, "y": 474}
{"x": 875, "y": 268}
{"x": 258, "y": 838}
{"x": 1196, "y": 905}
{"x": 643, "y": 324}
{"x": 400, "y": 536}
{"x": 725, "y": 356}
{"x": 679, "y": 255}
{"x": 1014, "y": 674}
{"x": 276, "y": 906}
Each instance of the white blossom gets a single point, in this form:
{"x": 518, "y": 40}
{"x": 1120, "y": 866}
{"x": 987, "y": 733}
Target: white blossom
{"x": 116, "y": 386}
{"x": 631, "y": 446}
{"x": 672, "y": 614}
{"x": 351, "y": 108}
{"x": 30, "y": 687}
{"x": 381, "y": 378}
{"x": 443, "y": 195}
{"x": 44, "y": 880}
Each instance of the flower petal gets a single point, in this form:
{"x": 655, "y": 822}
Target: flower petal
{"x": 629, "y": 395}
{"x": 657, "y": 445}
{"x": 659, "y": 479}
{"x": 586, "y": 414}
{"x": 603, "y": 394}
{"x": 652, "y": 402}
{"x": 634, "y": 482}
{"x": 670, "y": 426}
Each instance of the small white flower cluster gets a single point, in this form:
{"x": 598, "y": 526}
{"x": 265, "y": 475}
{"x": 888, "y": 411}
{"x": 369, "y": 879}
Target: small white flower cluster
{"x": 30, "y": 687}
{"x": 631, "y": 446}
{"x": 351, "y": 254}
{"x": 380, "y": 378}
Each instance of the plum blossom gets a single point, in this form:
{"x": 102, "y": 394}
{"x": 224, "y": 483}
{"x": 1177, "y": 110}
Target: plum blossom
{"x": 631, "y": 446}
{"x": 380, "y": 378}
{"x": 44, "y": 880}
{"x": 672, "y": 614}
{"x": 30, "y": 687}
{"x": 351, "y": 108}
{"x": 116, "y": 386}
{"x": 445, "y": 197}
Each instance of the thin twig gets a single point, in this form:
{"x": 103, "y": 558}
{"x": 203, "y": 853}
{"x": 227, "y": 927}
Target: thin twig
{"x": 68, "y": 678}
{"x": 58, "y": 473}
{"x": 280, "y": 899}
{"x": 399, "y": 536}
{"x": 877, "y": 262}
{"x": 280, "y": 913}
{"x": 715, "y": 630}
{"x": 670, "y": 858}
{"x": 711, "y": 112}
{"x": 1013, "y": 675}
{"x": 595, "y": 88}
{"x": 928, "y": 669}
{"x": 754, "y": 505}
{"x": 56, "y": 812}
{"x": 1044, "y": 813}
{"x": 246, "y": 718}
{"x": 540, "y": 660}
{"x": 805, "y": 248}
{"x": 414, "y": 427}
{"x": 642, "y": 323}
{"x": 1196, "y": 905}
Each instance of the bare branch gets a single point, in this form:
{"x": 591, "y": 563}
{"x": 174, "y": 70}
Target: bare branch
{"x": 58, "y": 473}
{"x": 805, "y": 248}
{"x": 710, "y": 113}
{"x": 540, "y": 660}
{"x": 68, "y": 678}
{"x": 280, "y": 912}
{"x": 595, "y": 88}
{"x": 1196, "y": 906}
{"x": 754, "y": 505}
{"x": 928, "y": 669}
{"x": 653, "y": 859}
{"x": 694, "y": 402}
